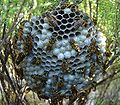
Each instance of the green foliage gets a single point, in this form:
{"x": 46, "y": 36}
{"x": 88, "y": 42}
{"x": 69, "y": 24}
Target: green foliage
{"x": 99, "y": 102}
{"x": 106, "y": 15}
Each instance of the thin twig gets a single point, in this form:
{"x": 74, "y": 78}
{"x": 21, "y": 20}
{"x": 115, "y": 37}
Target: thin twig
{"x": 111, "y": 61}
{"x": 90, "y": 7}
{"x": 6, "y": 71}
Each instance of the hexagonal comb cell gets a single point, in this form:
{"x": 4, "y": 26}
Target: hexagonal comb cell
{"x": 64, "y": 32}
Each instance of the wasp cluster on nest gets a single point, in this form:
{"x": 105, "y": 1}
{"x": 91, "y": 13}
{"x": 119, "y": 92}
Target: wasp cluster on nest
{"x": 60, "y": 50}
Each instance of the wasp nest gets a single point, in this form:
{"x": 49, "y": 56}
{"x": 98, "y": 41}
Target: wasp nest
{"x": 62, "y": 50}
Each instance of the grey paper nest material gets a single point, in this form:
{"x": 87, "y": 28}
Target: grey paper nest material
{"x": 66, "y": 51}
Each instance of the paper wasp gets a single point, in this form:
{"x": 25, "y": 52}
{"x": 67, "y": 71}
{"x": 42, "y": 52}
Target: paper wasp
{"x": 74, "y": 90}
{"x": 92, "y": 69}
{"x": 20, "y": 58}
{"x": 36, "y": 77}
{"x": 19, "y": 72}
{"x": 65, "y": 4}
{"x": 28, "y": 44}
{"x": 50, "y": 44}
{"x": 51, "y": 19}
{"x": 39, "y": 77}
{"x": 20, "y": 30}
{"x": 74, "y": 45}
{"x": 73, "y": 7}
{"x": 36, "y": 61}
{"x": 78, "y": 23}
{"x": 42, "y": 97}
{"x": 60, "y": 84}
{"x": 65, "y": 66}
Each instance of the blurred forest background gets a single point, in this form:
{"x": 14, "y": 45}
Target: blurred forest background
{"x": 106, "y": 16}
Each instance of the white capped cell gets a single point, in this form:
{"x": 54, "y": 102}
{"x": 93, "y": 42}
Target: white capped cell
{"x": 82, "y": 58}
{"x": 34, "y": 18}
{"x": 48, "y": 85}
{"x": 40, "y": 44}
{"x": 101, "y": 39}
{"x": 80, "y": 28}
{"x": 46, "y": 25}
{"x": 71, "y": 77}
{"x": 26, "y": 30}
{"x": 67, "y": 10}
{"x": 68, "y": 86}
{"x": 33, "y": 33}
{"x": 68, "y": 47}
{"x": 64, "y": 42}
{"x": 22, "y": 46}
{"x": 100, "y": 33}
{"x": 73, "y": 52}
{"x": 49, "y": 34}
{"x": 87, "y": 41}
{"x": 58, "y": 43}
{"x": 49, "y": 81}
{"x": 81, "y": 37}
{"x": 40, "y": 72}
{"x": 76, "y": 39}
{"x": 102, "y": 49}
{"x": 66, "y": 77}
{"x": 67, "y": 54}
{"x": 88, "y": 64}
{"x": 80, "y": 42}
{"x": 25, "y": 35}
{"x": 84, "y": 32}
{"x": 46, "y": 40}
{"x": 79, "y": 86}
{"x": 50, "y": 74}
{"x": 27, "y": 24}
{"x": 44, "y": 31}
{"x": 43, "y": 37}
{"x": 62, "y": 49}
{"x": 45, "y": 19}
{"x": 36, "y": 68}
{"x": 56, "y": 51}
{"x": 35, "y": 72}
{"x": 19, "y": 43}
{"x": 60, "y": 56}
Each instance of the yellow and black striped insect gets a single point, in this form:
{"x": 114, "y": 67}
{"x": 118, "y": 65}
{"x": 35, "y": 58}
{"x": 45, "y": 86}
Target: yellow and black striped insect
{"x": 60, "y": 84}
{"x": 36, "y": 61}
{"x": 65, "y": 4}
{"x": 93, "y": 48}
{"x": 74, "y": 90}
{"x": 14, "y": 41}
{"x": 92, "y": 70}
{"x": 20, "y": 30}
{"x": 28, "y": 44}
{"x": 65, "y": 66}
{"x": 36, "y": 77}
{"x": 39, "y": 78}
{"x": 20, "y": 58}
{"x": 73, "y": 7}
{"x": 50, "y": 44}
{"x": 78, "y": 23}
{"x": 51, "y": 19}
{"x": 42, "y": 97}
{"x": 74, "y": 45}
{"x": 19, "y": 72}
